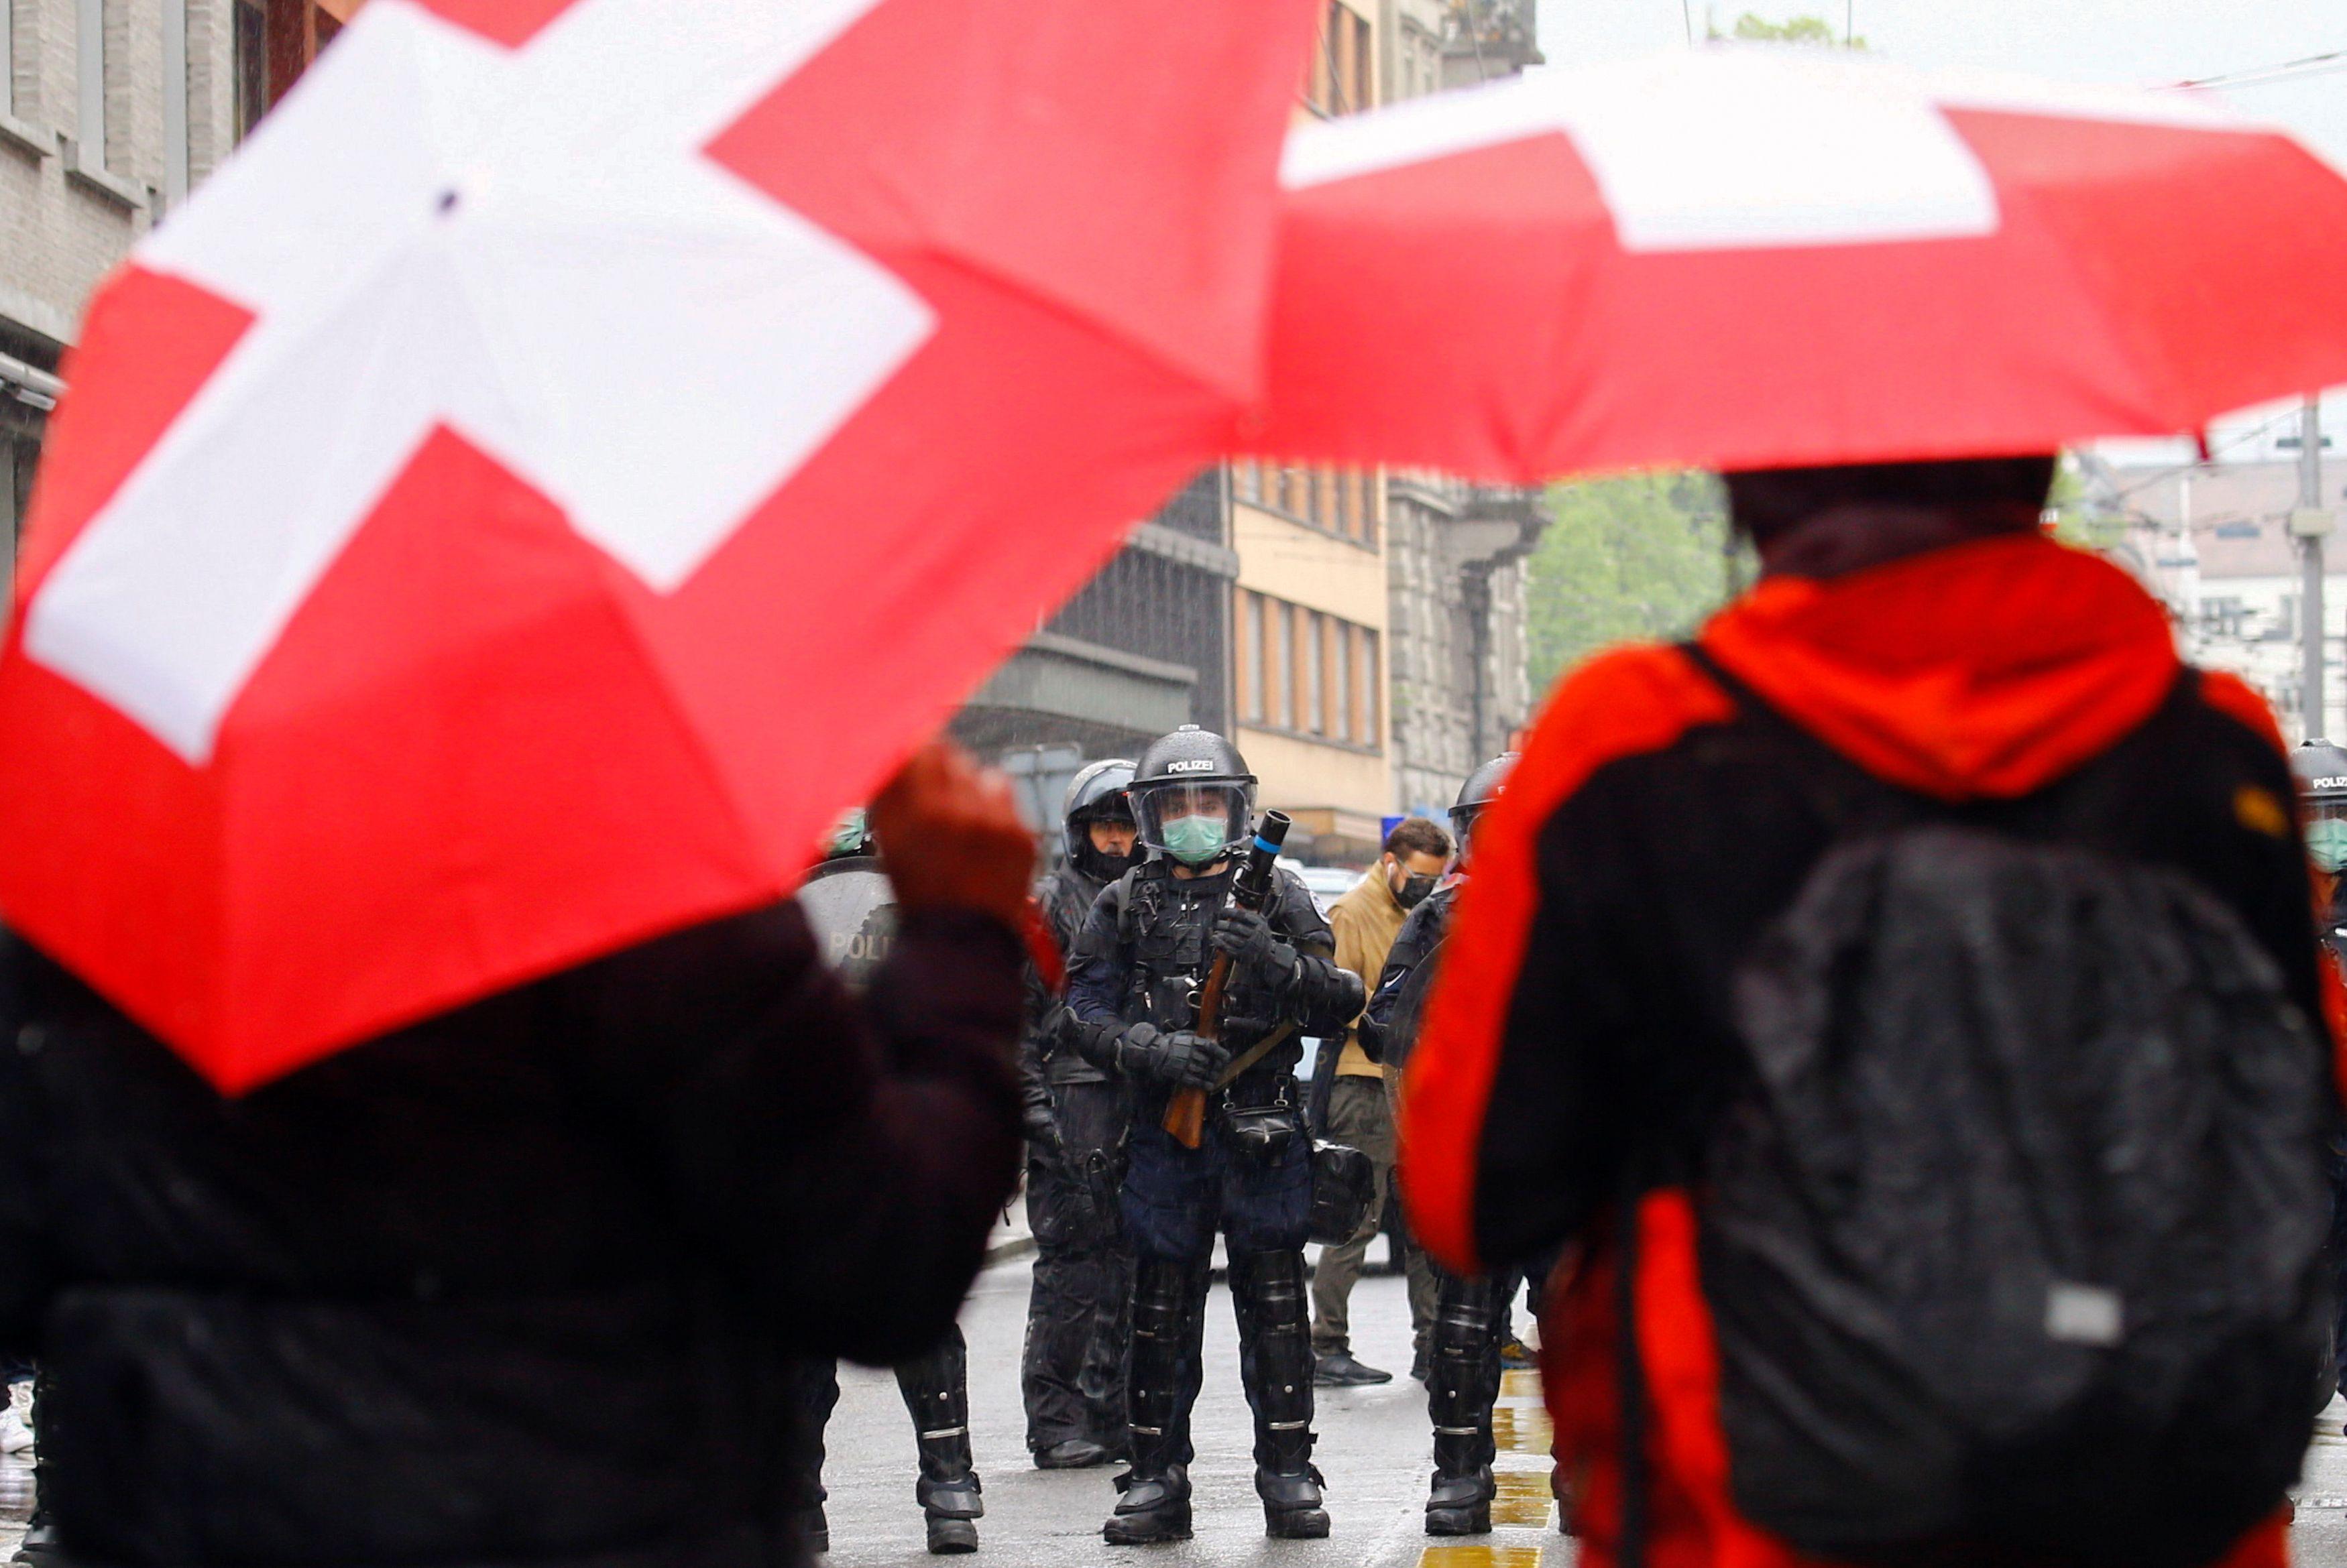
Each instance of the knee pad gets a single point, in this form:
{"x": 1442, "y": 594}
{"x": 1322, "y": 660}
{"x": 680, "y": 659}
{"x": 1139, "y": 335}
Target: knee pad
{"x": 1162, "y": 1334}
{"x": 1466, "y": 1329}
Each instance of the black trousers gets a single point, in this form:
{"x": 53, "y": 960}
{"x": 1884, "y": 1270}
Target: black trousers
{"x": 938, "y": 1380}
{"x": 1079, "y": 1324}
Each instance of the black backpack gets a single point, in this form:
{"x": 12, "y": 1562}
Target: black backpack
{"x": 2014, "y": 1245}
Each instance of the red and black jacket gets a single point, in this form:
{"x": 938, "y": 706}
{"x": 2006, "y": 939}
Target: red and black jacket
{"x": 1583, "y": 1023}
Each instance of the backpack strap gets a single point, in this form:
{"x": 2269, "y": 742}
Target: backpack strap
{"x": 1850, "y": 799}
{"x": 1127, "y": 891}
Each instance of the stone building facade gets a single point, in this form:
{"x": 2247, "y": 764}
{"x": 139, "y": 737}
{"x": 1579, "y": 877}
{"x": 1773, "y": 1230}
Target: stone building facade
{"x": 111, "y": 112}
{"x": 1456, "y": 576}
{"x": 1456, "y": 637}
{"x": 1141, "y": 649}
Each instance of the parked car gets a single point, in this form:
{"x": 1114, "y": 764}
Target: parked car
{"x": 1327, "y": 883}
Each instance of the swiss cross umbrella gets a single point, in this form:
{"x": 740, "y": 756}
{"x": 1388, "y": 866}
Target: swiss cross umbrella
{"x": 1772, "y": 256}
{"x": 577, "y": 446}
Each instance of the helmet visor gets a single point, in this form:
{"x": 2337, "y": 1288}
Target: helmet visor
{"x": 2326, "y": 832}
{"x": 1195, "y": 823}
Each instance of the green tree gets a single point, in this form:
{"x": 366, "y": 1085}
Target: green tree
{"x": 2077, "y": 519}
{"x": 1645, "y": 555}
{"x": 1800, "y": 30}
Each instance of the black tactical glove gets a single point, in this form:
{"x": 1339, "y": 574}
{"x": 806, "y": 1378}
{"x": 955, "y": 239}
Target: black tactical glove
{"x": 1176, "y": 1057}
{"x": 1041, "y": 1127}
{"x": 1270, "y": 962}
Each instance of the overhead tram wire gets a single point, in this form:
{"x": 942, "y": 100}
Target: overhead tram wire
{"x": 2288, "y": 70}
{"x": 2165, "y": 474}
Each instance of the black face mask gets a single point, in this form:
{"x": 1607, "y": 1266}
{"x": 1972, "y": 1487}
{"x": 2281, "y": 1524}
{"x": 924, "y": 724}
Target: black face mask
{"x": 1105, "y": 867}
{"x": 1413, "y": 891}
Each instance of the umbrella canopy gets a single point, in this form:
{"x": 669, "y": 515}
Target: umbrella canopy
{"x": 576, "y": 447}
{"x": 1770, "y": 256}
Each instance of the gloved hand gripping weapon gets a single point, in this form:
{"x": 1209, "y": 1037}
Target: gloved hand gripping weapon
{"x": 1186, "y": 1110}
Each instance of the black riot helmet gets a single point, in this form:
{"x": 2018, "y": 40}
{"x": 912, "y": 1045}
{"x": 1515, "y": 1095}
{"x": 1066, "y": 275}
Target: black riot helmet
{"x": 1193, "y": 797}
{"x": 1098, "y": 795}
{"x": 1483, "y": 788}
{"x": 2321, "y": 769}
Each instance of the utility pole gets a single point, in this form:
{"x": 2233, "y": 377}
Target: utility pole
{"x": 2311, "y": 524}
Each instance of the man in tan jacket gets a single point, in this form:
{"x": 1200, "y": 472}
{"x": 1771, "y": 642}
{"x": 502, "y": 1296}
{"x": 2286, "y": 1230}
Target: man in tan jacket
{"x": 1366, "y": 920}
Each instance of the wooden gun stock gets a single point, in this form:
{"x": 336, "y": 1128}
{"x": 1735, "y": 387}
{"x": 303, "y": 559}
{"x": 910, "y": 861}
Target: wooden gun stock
{"x": 1186, "y": 1109}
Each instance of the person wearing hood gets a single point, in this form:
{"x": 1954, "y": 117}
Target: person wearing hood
{"x": 1355, "y": 1111}
{"x": 1770, "y": 921}
{"x": 533, "y": 1280}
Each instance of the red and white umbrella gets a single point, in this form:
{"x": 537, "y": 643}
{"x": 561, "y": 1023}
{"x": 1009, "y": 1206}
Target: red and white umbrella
{"x": 578, "y": 445}
{"x": 1764, "y": 256}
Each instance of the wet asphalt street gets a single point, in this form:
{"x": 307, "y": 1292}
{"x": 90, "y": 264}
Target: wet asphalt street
{"x": 1373, "y": 1447}
{"x": 1373, "y": 1443}
{"x": 1373, "y": 1450}
{"x": 2319, "y": 1538}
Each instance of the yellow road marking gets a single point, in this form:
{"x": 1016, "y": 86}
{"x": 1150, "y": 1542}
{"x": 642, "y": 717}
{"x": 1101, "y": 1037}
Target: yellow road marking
{"x": 1522, "y": 1429}
{"x": 1479, "y": 1557}
{"x": 1521, "y": 1384}
{"x": 1524, "y": 1498}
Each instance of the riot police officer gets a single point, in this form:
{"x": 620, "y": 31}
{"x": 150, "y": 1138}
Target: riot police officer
{"x": 1146, "y": 949}
{"x": 1073, "y": 1374}
{"x": 1463, "y": 1370}
{"x": 2321, "y": 769}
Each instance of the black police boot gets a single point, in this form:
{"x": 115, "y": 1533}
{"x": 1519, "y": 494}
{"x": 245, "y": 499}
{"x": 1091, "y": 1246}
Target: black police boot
{"x": 937, "y": 1391}
{"x": 1075, "y": 1453}
{"x": 1278, "y": 1366}
{"x": 1154, "y": 1505}
{"x": 1463, "y": 1379}
{"x": 812, "y": 1531}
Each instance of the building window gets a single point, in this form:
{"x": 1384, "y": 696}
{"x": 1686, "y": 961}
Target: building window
{"x": 1341, "y": 682}
{"x": 1334, "y": 695}
{"x": 89, "y": 81}
{"x": 1339, "y": 83}
{"x": 1315, "y": 703}
{"x": 10, "y": 525}
{"x": 1305, "y": 671}
{"x": 248, "y": 44}
{"x": 273, "y": 41}
{"x": 175, "y": 102}
{"x": 1365, "y": 670}
{"x": 1251, "y": 657}
{"x": 1278, "y": 688}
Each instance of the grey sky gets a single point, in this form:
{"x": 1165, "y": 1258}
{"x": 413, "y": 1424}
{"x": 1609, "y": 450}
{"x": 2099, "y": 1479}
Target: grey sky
{"x": 2082, "y": 40}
